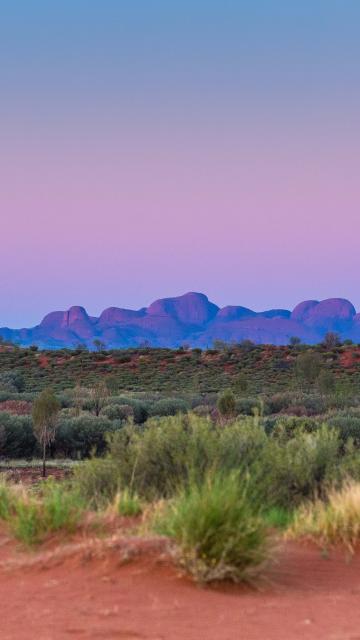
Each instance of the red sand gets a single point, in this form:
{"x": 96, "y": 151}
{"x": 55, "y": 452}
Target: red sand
{"x": 308, "y": 597}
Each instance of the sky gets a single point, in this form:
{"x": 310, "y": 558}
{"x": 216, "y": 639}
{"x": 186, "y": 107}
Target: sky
{"x": 149, "y": 148}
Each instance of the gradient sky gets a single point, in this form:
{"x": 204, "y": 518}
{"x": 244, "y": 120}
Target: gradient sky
{"x": 149, "y": 148}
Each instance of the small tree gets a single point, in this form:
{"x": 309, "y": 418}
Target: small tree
{"x": 294, "y": 341}
{"x": 326, "y": 382}
{"x": 247, "y": 345}
{"x": 44, "y": 414}
{"x": 226, "y": 404}
{"x": 220, "y": 345}
{"x": 98, "y": 394}
{"x": 308, "y": 367}
{"x": 99, "y": 345}
{"x": 331, "y": 340}
{"x": 241, "y": 383}
{"x": 80, "y": 346}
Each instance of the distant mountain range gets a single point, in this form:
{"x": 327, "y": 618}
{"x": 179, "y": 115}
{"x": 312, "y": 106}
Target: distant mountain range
{"x": 190, "y": 319}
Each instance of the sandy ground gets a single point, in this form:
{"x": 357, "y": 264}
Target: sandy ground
{"x": 45, "y": 596}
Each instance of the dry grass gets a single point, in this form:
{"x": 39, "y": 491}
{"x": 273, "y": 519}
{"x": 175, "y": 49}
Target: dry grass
{"x": 331, "y": 522}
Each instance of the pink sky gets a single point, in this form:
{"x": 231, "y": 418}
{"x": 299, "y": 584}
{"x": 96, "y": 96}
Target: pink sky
{"x": 150, "y": 149}
{"x": 117, "y": 220}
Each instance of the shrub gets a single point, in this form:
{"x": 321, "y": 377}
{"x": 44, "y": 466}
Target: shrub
{"x": 248, "y": 406}
{"x": 18, "y": 440}
{"x": 347, "y": 425}
{"x": 203, "y": 410}
{"x": 155, "y": 460}
{"x": 140, "y": 409}
{"x": 227, "y": 404}
{"x": 97, "y": 481}
{"x": 217, "y": 528}
{"x": 307, "y": 367}
{"x": 12, "y": 381}
{"x": 169, "y": 407}
{"x": 79, "y": 437}
{"x": 122, "y": 412}
{"x": 297, "y": 467}
{"x": 277, "y": 402}
{"x": 299, "y": 458}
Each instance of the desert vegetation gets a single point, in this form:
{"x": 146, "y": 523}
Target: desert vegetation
{"x": 222, "y": 474}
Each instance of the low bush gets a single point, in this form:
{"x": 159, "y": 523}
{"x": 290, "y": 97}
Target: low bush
{"x": 347, "y": 425}
{"x": 217, "y": 527}
{"x": 169, "y": 407}
{"x": 97, "y": 481}
{"x": 81, "y": 436}
{"x": 17, "y": 439}
{"x": 248, "y": 406}
{"x": 153, "y": 461}
{"x": 122, "y": 412}
{"x": 298, "y": 467}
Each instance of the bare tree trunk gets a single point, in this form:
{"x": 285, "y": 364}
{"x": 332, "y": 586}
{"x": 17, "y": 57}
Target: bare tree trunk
{"x": 44, "y": 460}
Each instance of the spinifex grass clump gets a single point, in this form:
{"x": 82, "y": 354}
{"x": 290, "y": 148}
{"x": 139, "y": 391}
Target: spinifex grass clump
{"x": 62, "y": 507}
{"x": 331, "y": 522}
{"x": 32, "y": 516}
{"x": 217, "y": 527}
{"x": 127, "y": 503}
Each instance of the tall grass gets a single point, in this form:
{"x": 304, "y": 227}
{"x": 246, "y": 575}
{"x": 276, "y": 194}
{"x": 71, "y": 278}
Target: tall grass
{"x": 61, "y": 507}
{"x": 127, "y": 503}
{"x": 32, "y": 516}
{"x": 331, "y": 522}
{"x": 6, "y": 500}
{"x": 217, "y": 527}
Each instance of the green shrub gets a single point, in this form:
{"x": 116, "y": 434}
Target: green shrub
{"x": 298, "y": 467}
{"x": 169, "y": 407}
{"x": 247, "y": 406}
{"x": 97, "y": 481}
{"x": 347, "y": 425}
{"x": 79, "y": 437}
{"x": 140, "y": 408}
{"x": 12, "y": 381}
{"x": 217, "y": 527}
{"x": 122, "y": 412}
{"x": 155, "y": 460}
{"x": 18, "y": 439}
{"x": 226, "y": 404}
